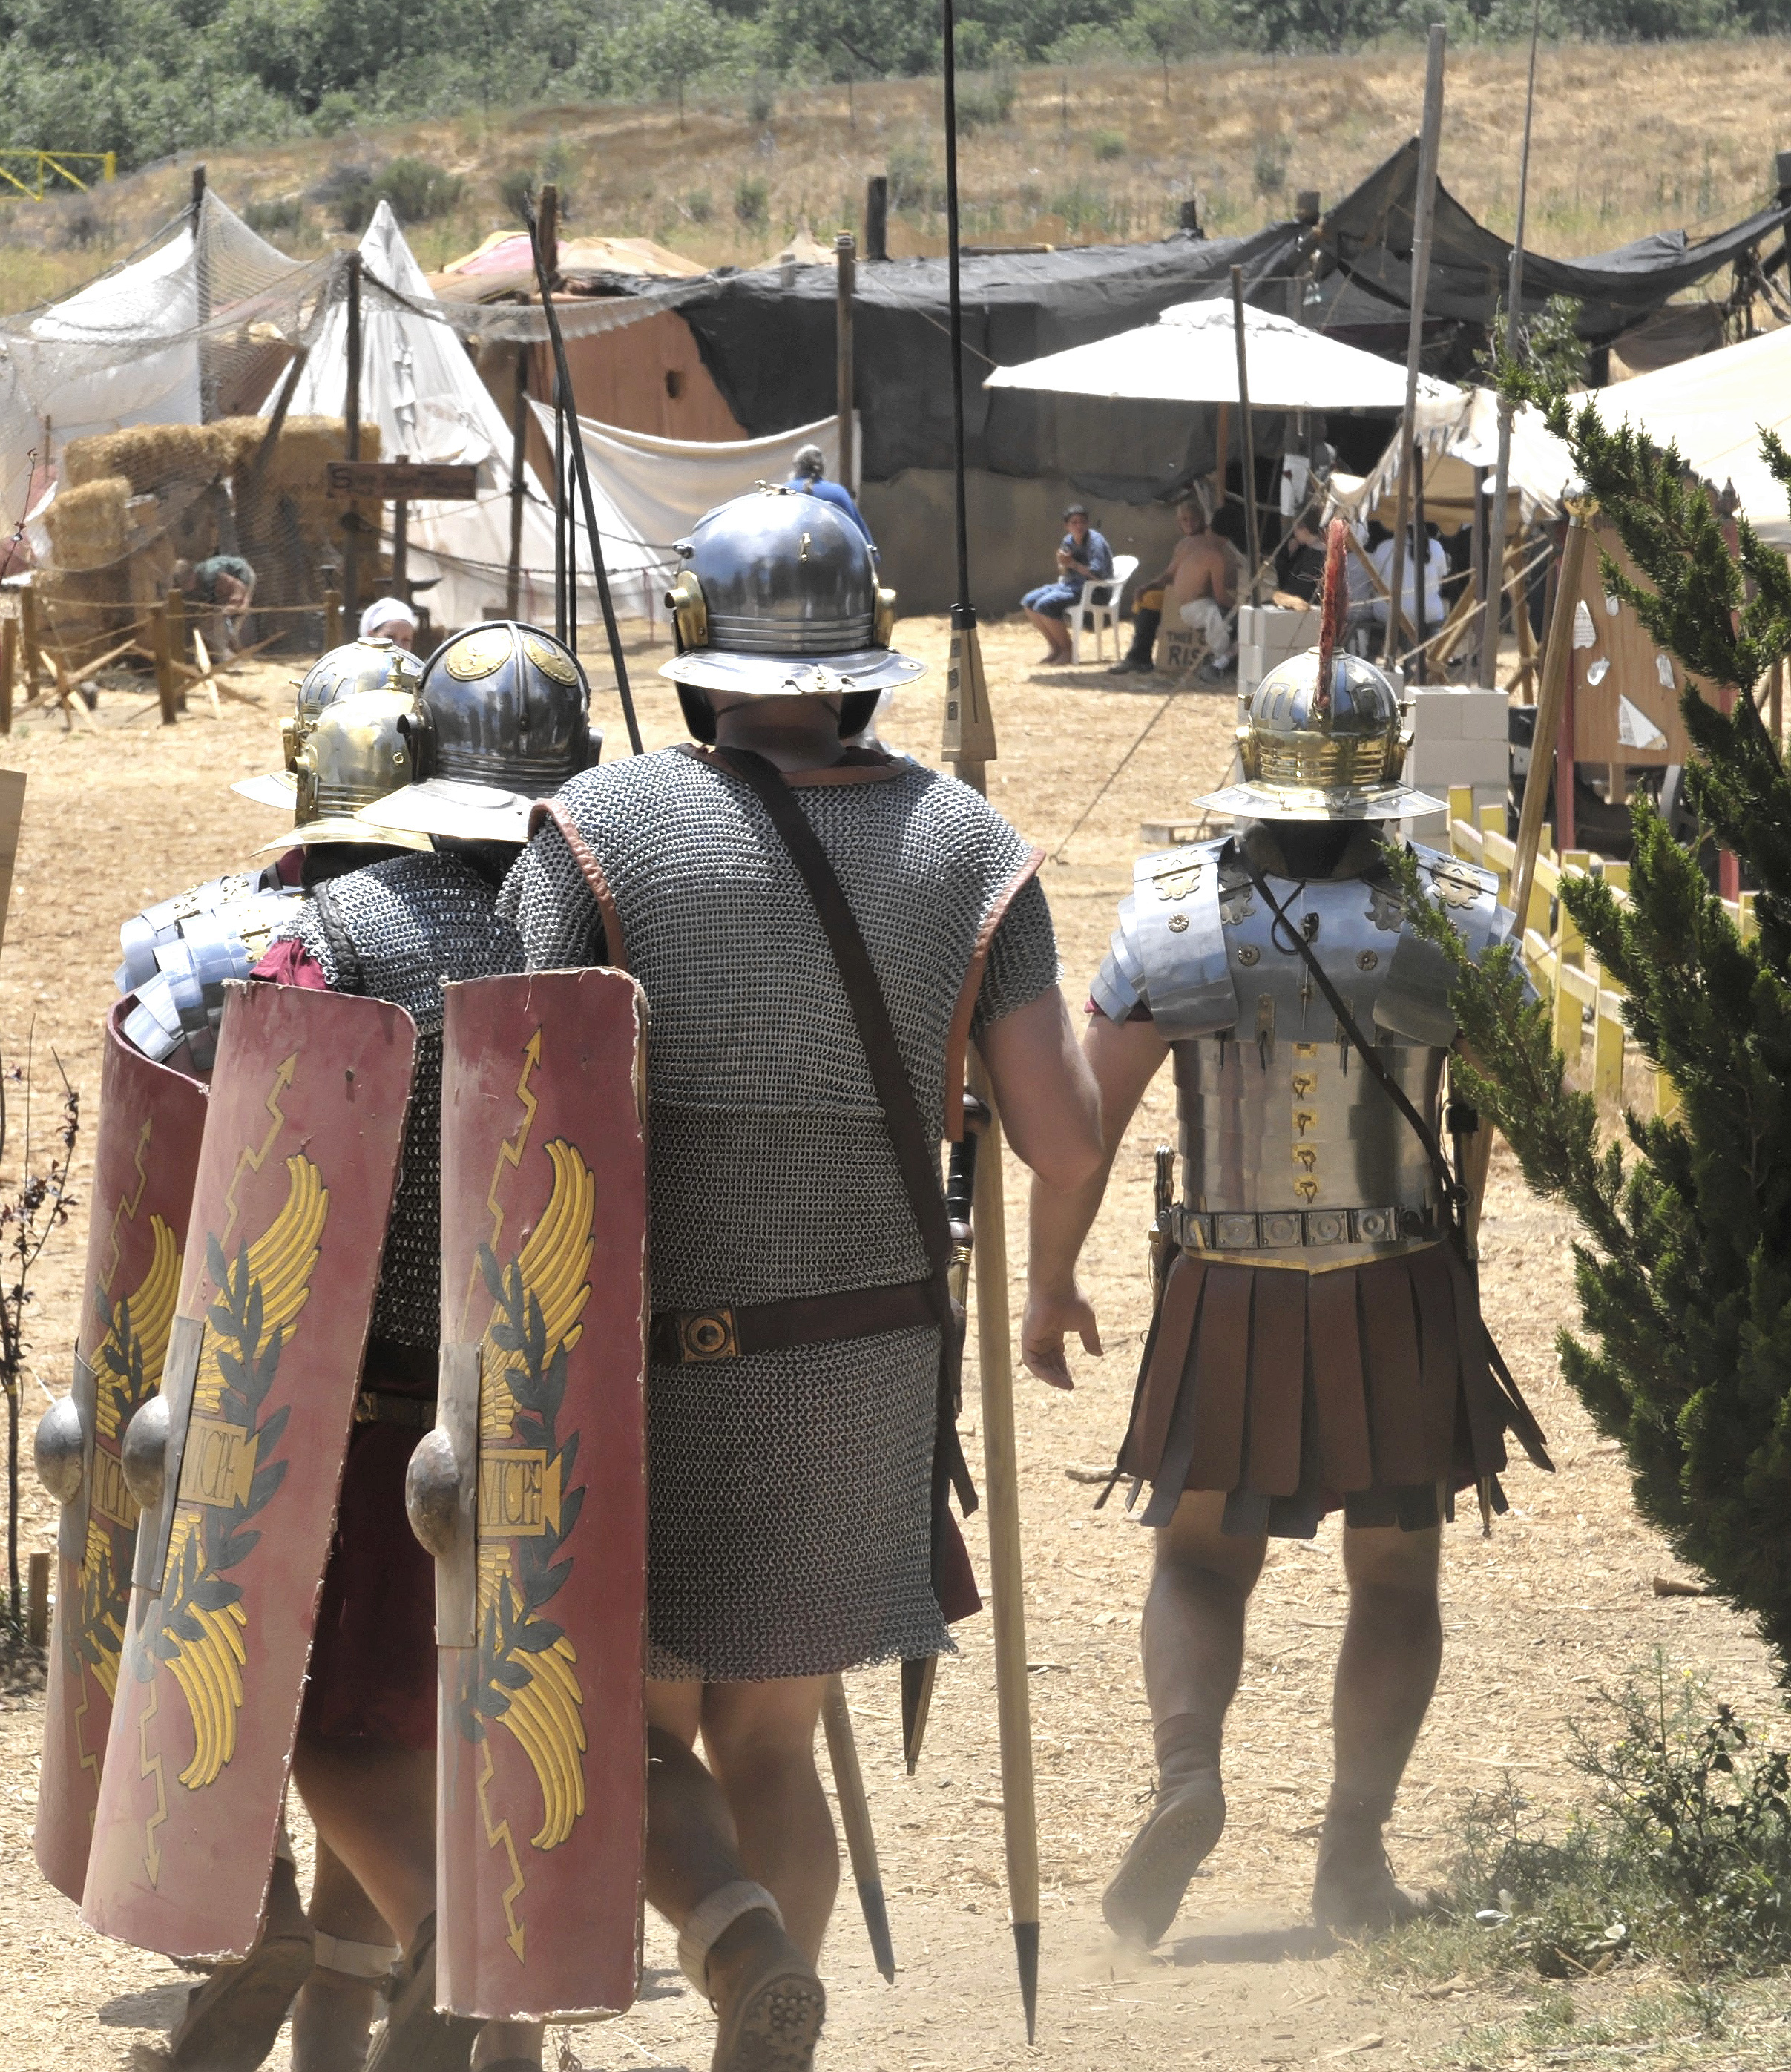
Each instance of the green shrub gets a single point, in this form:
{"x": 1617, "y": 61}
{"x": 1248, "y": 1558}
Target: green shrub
{"x": 762, "y": 100}
{"x": 334, "y": 113}
{"x": 752, "y": 201}
{"x": 986, "y": 105}
{"x": 699, "y": 205}
{"x": 418, "y": 191}
{"x": 279, "y": 213}
{"x": 1107, "y": 145}
{"x": 913, "y": 186}
{"x": 1268, "y": 165}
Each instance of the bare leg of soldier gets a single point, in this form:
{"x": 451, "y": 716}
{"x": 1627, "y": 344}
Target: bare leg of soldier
{"x": 1193, "y": 1644}
{"x": 333, "y": 2015}
{"x": 1387, "y": 1672}
{"x": 723, "y": 1873}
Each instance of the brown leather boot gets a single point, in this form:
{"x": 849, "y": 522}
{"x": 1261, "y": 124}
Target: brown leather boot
{"x": 1182, "y": 1832}
{"x": 769, "y": 2003}
{"x": 231, "y": 2020}
{"x": 417, "y": 2037}
{"x": 1354, "y": 1892}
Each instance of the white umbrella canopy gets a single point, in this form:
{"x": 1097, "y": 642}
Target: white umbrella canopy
{"x": 1190, "y": 355}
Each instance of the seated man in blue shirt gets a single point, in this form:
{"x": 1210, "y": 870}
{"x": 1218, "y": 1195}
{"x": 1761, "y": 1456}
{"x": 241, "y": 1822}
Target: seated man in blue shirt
{"x": 810, "y": 465}
{"x": 1083, "y": 556}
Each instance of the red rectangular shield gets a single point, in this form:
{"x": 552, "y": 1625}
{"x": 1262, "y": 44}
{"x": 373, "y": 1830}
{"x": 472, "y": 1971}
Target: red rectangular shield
{"x": 150, "y": 1121}
{"x": 541, "y": 1607}
{"x": 294, "y": 1185}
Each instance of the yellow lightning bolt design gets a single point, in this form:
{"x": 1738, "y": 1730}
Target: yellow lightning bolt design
{"x": 250, "y": 1160}
{"x": 126, "y": 1211}
{"x": 500, "y": 1832}
{"x": 509, "y": 1152}
{"x": 151, "y": 1765}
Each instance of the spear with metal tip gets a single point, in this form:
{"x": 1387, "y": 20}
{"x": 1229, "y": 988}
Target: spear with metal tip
{"x": 854, "y": 1814}
{"x": 969, "y": 744}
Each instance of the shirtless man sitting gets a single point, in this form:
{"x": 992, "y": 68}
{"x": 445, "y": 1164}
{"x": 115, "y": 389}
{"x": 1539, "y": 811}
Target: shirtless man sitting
{"x": 1199, "y": 581}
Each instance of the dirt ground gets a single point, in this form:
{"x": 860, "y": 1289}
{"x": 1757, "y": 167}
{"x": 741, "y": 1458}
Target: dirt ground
{"x": 1558, "y": 1602}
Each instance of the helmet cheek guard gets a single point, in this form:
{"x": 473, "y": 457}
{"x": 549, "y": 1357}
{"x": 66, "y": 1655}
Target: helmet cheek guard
{"x": 882, "y": 630}
{"x": 418, "y": 731}
{"x": 690, "y": 612}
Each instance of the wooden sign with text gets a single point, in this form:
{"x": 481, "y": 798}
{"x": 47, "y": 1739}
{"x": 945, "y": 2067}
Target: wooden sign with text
{"x": 404, "y": 481}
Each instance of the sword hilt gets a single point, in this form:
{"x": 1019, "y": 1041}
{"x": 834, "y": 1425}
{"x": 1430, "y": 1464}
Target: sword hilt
{"x": 1163, "y": 1193}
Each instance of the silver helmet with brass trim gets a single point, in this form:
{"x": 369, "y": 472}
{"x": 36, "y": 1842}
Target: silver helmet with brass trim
{"x": 1315, "y": 751}
{"x": 356, "y": 753}
{"x": 350, "y": 670}
{"x": 779, "y": 598}
{"x": 499, "y": 721}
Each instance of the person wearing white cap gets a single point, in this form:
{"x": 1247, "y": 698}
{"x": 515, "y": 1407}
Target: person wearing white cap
{"x": 390, "y": 619}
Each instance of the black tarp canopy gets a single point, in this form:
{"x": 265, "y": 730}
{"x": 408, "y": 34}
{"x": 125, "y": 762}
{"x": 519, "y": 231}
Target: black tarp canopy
{"x": 770, "y": 346}
{"x": 1368, "y": 238}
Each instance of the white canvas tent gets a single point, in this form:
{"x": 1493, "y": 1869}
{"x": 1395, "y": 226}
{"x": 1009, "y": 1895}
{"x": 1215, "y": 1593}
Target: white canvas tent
{"x": 1457, "y": 433}
{"x": 1190, "y": 355}
{"x": 1713, "y": 410}
{"x": 419, "y": 386}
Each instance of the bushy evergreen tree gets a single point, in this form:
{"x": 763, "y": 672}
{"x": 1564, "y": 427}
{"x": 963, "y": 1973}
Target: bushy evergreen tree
{"x": 1684, "y": 1274}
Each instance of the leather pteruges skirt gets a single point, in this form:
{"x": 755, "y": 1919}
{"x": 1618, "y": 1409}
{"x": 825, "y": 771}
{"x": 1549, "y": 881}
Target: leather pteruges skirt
{"x": 1363, "y": 1387}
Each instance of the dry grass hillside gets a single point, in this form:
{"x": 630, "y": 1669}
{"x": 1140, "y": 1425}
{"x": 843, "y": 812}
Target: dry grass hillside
{"x": 1629, "y": 139}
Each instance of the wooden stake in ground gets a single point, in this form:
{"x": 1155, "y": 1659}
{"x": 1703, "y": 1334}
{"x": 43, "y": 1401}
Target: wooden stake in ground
{"x": 1581, "y": 510}
{"x": 1423, "y": 217}
{"x": 854, "y": 1813}
{"x": 1247, "y": 438}
{"x": 164, "y": 662}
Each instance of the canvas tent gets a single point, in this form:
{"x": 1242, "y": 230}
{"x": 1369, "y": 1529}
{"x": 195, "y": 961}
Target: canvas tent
{"x": 1714, "y": 410}
{"x": 1190, "y": 355}
{"x": 1457, "y": 432}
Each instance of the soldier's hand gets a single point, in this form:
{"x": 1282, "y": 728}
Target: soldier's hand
{"x": 1049, "y": 1318}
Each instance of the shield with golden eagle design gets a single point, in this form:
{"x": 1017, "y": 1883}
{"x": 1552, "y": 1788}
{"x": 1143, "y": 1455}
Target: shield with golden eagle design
{"x": 152, "y": 1119}
{"x": 531, "y": 1492}
{"x": 296, "y": 1173}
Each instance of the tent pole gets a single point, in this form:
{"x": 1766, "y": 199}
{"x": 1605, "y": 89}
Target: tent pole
{"x": 518, "y": 453}
{"x": 351, "y": 412}
{"x": 563, "y": 380}
{"x": 1421, "y": 570}
{"x": 1423, "y": 218}
{"x": 1246, "y": 436}
{"x": 1514, "y": 290}
{"x": 559, "y": 514}
{"x": 845, "y": 264}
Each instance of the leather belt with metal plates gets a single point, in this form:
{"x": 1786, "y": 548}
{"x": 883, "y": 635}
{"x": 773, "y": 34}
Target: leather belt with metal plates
{"x": 1274, "y": 1230}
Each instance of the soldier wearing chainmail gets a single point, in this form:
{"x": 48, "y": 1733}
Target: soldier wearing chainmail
{"x": 499, "y": 719}
{"x": 1317, "y": 1343}
{"x": 795, "y": 1442}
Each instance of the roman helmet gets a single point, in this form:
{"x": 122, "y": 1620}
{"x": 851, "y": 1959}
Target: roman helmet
{"x": 347, "y": 671}
{"x": 779, "y": 598}
{"x": 498, "y": 721}
{"x": 355, "y": 754}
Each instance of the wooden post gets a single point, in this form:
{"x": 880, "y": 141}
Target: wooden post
{"x": 37, "y": 1601}
{"x": 1221, "y": 446}
{"x": 180, "y": 647}
{"x": 548, "y": 217}
{"x": 332, "y": 617}
{"x": 1246, "y": 434}
{"x": 351, "y": 413}
{"x": 202, "y": 297}
{"x": 29, "y": 650}
{"x": 164, "y": 662}
{"x": 876, "y": 217}
{"x": 1423, "y": 218}
{"x": 1476, "y": 546}
{"x": 401, "y": 545}
{"x": 519, "y": 457}
{"x": 845, "y": 265}
{"x": 1421, "y": 555}
{"x": 1581, "y": 508}
{"x": 1566, "y": 833}
{"x": 9, "y": 662}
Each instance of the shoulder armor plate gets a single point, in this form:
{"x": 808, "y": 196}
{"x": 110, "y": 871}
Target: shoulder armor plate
{"x": 1415, "y": 1002}
{"x": 1178, "y": 934}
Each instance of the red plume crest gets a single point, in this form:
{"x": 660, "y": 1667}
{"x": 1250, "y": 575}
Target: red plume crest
{"x": 1333, "y": 609}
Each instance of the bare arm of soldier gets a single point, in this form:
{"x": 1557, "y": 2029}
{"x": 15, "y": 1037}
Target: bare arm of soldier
{"x": 1123, "y": 1057}
{"x": 1044, "y": 1091}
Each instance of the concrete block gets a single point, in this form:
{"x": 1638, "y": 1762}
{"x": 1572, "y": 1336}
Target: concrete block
{"x": 1486, "y": 716}
{"x": 1435, "y": 717}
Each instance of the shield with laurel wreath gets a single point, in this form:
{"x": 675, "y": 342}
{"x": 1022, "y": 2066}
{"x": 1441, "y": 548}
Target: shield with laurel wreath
{"x": 150, "y": 1121}
{"x": 541, "y": 1587}
{"x": 294, "y": 1187}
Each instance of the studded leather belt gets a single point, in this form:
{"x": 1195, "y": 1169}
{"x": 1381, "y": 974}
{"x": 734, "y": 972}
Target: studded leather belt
{"x": 686, "y": 1337}
{"x": 1273, "y": 1230}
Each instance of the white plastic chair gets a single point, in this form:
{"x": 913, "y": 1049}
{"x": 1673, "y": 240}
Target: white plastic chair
{"x": 1097, "y": 611}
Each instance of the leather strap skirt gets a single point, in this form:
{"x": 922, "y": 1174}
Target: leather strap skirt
{"x": 1364, "y": 1388}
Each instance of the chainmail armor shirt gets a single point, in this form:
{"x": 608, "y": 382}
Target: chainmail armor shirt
{"x": 399, "y": 931}
{"x": 789, "y": 1520}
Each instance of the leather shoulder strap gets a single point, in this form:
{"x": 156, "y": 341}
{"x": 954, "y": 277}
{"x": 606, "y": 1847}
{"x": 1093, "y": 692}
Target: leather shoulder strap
{"x": 614, "y": 942}
{"x": 914, "y": 1157}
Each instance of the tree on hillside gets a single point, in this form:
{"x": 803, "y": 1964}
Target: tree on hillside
{"x": 1684, "y": 1277}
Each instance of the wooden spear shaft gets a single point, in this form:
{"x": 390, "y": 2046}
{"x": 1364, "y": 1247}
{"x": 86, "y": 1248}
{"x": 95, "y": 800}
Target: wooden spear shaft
{"x": 854, "y": 1814}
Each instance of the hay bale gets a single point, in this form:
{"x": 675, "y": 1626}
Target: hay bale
{"x": 153, "y": 459}
{"x": 87, "y": 525}
{"x": 294, "y": 477}
{"x": 239, "y": 437}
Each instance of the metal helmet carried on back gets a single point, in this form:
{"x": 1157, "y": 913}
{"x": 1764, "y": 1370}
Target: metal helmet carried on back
{"x": 347, "y": 671}
{"x": 499, "y": 720}
{"x": 780, "y": 599}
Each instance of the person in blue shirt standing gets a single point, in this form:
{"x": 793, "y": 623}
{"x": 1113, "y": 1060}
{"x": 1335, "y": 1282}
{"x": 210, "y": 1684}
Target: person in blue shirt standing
{"x": 810, "y": 465}
{"x": 1083, "y": 556}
